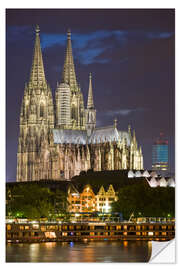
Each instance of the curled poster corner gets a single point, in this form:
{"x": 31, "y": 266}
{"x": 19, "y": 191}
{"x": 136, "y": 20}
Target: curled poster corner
{"x": 163, "y": 252}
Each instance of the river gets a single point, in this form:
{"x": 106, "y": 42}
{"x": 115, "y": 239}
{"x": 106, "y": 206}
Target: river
{"x": 101, "y": 251}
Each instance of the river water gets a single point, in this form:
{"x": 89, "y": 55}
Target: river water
{"x": 101, "y": 251}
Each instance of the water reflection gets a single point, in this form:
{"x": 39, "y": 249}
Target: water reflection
{"x": 71, "y": 244}
{"x": 33, "y": 253}
{"x": 102, "y": 251}
{"x": 50, "y": 244}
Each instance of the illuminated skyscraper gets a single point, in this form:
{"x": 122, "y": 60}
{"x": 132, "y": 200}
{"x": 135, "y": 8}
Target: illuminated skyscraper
{"x": 160, "y": 154}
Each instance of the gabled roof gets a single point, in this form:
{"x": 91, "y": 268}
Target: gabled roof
{"x": 138, "y": 174}
{"x": 72, "y": 189}
{"x": 162, "y": 182}
{"x": 131, "y": 174}
{"x": 110, "y": 189}
{"x": 154, "y": 174}
{"x": 146, "y": 174}
{"x": 153, "y": 182}
{"x": 96, "y": 188}
{"x": 171, "y": 182}
{"x": 101, "y": 191}
{"x": 89, "y": 187}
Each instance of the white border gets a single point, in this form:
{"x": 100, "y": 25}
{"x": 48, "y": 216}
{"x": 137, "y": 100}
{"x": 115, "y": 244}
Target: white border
{"x": 71, "y": 4}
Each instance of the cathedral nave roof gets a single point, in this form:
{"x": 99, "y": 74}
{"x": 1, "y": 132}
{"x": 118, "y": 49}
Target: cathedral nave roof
{"x": 70, "y": 136}
{"x": 104, "y": 134}
{"x": 99, "y": 135}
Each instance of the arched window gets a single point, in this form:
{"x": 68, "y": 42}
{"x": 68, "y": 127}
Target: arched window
{"x": 41, "y": 110}
{"x": 73, "y": 112}
{"x": 24, "y": 111}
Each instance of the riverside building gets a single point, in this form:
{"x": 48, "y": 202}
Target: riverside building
{"x": 90, "y": 200}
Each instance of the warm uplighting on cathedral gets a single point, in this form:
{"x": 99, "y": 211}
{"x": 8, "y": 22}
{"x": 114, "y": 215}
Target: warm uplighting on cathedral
{"x": 58, "y": 142}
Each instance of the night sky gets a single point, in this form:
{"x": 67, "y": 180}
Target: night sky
{"x": 130, "y": 54}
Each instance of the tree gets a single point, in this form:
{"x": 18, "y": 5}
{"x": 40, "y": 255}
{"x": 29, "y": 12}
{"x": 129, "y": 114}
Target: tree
{"x": 59, "y": 200}
{"x": 143, "y": 200}
{"x": 29, "y": 201}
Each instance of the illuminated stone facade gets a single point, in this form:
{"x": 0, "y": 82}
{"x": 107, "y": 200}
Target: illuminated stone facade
{"x": 105, "y": 198}
{"x": 59, "y": 144}
{"x": 89, "y": 201}
{"x": 76, "y": 98}
{"x": 36, "y": 123}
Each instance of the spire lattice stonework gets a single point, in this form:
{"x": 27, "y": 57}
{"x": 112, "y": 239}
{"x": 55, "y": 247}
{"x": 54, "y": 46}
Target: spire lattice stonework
{"x": 90, "y": 103}
{"x": 69, "y": 75}
{"x": 36, "y": 123}
{"x": 37, "y": 76}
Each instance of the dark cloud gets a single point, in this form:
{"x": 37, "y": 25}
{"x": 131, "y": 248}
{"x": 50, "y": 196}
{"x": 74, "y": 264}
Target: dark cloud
{"x": 129, "y": 52}
{"x": 124, "y": 112}
{"x": 88, "y": 47}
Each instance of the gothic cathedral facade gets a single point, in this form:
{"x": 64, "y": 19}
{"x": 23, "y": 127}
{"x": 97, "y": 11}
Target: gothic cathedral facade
{"x": 58, "y": 142}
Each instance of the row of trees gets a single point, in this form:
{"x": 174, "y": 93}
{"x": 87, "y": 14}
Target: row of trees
{"x": 35, "y": 201}
{"x": 145, "y": 201}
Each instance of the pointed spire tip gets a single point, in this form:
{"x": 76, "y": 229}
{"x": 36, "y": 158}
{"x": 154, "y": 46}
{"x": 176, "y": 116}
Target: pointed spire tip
{"x": 37, "y": 75}
{"x": 115, "y": 123}
{"x": 69, "y": 33}
{"x": 129, "y": 128}
{"x": 37, "y": 29}
{"x": 69, "y": 75}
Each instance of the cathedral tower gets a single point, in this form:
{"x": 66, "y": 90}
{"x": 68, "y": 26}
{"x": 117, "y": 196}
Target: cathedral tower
{"x": 36, "y": 120}
{"x": 90, "y": 111}
{"x": 76, "y": 144}
{"x": 76, "y": 99}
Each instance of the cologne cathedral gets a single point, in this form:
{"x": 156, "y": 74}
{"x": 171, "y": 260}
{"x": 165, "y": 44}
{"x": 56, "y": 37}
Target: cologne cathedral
{"x": 58, "y": 141}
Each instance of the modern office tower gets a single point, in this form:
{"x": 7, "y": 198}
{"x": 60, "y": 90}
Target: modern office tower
{"x": 160, "y": 154}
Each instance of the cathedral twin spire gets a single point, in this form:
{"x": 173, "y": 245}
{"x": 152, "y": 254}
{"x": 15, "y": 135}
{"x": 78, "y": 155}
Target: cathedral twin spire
{"x": 37, "y": 76}
{"x": 69, "y": 75}
{"x": 38, "y": 157}
{"x": 37, "y": 79}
